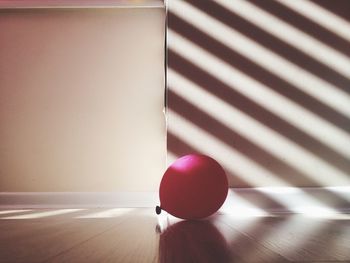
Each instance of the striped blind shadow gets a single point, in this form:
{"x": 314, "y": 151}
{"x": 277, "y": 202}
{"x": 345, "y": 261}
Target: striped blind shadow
{"x": 290, "y": 13}
{"x": 259, "y": 113}
{"x": 255, "y": 71}
{"x": 313, "y": 131}
{"x": 210, "y": 82}
{"x": 233, "y": 139}
{"x": 341, "y": 8}
{"x": 281, "y": 47}
{"x": 276, "y": 166}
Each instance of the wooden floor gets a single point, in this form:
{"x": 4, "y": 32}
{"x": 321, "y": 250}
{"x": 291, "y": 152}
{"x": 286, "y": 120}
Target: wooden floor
{"x": 138, "y": 235}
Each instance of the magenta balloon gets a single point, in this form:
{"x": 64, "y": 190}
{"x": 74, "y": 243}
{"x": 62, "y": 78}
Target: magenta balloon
{"x": 194, "y": 186}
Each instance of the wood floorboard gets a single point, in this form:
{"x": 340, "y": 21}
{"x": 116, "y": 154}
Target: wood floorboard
{"x": 138, "y": 235}
{"x": 302, "y": 239}
{"x": 34, "y": 240}
{"x": 245, "y": 246}
{"x": 134, "y": 240}
{"x": 197, "y": 241}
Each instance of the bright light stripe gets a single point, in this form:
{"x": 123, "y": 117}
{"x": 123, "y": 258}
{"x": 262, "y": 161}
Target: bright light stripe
{"x": 315, "y": 206}
{"x": 343, "y": 191}
{"x": 301, "y": 79}
{"x": 238, "y": 207}
{"x": 336, "y": 216}
{"x": 291, "y": 35}
{"x": 306, "y": 200}
{"x": 170, "y": 158}
{"x": 110, "y": 213}
{"x": 269, "y": 99}
{"x": 321, "y": 16}
{"x": 252, "y": 130}
{"x": 234, "y": 161}
{"x": 5, "y": 212}
{"x": 162, "y": 222}
{"x": 43, "y": 214}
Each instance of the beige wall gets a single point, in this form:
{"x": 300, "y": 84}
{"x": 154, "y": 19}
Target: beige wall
{"x": 81, "y": 99}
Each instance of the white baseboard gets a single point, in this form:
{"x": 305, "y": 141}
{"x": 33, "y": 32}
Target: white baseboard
{"x": 243, "y": 200}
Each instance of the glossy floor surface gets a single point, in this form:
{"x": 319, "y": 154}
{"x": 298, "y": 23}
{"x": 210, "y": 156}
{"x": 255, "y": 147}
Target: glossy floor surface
{"x": 138, "y": 235}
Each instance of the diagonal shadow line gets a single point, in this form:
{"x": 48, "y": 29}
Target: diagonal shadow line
{"x": 260, "y": 74}
{"x": 304, "y": 24}
{"x": 178, "y": 147}
{"x": 275, "y": 165}
{"x": 271, "y": 42}
{"x": 233, "y": 139}
{"x": 341, "y": 8}
{"x": 237, "y": 100}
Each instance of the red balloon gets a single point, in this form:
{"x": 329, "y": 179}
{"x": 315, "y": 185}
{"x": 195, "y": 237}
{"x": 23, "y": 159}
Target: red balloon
{"x": 193, "y": 187}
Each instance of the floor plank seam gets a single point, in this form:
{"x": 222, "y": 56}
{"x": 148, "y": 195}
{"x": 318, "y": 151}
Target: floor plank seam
{"x": 260, "y": 244}
{"x": 82, "y": 242}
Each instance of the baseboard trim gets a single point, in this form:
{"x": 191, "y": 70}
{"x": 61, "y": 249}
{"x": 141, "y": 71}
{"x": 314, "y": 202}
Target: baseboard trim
{"x": 239, "y": 200}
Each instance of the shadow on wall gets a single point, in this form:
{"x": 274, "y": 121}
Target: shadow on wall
{"x": 263, "y": 87}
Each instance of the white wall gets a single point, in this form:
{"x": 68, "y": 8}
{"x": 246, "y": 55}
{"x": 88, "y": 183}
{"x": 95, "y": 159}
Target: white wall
{"x": 81, "y": 99}
{"x": 263, "y": 92}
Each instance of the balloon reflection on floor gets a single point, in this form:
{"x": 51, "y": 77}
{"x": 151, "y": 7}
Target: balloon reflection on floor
{"x": 193, "y": 241}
